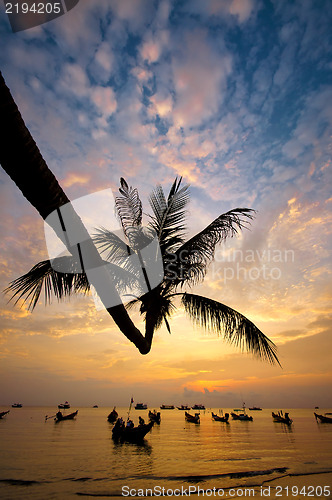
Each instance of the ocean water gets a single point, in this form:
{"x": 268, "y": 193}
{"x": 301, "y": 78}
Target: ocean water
{"x": 43, "y": 460}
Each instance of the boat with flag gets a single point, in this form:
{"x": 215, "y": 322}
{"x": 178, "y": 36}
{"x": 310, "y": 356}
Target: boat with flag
{"x": 243, "y": 416}
{"x": 126, "y": 431}
{"x": 129, "y": 432}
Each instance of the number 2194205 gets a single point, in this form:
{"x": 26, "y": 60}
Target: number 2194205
{"x": 35, "y": 8}
{"x": 306, "y": 491}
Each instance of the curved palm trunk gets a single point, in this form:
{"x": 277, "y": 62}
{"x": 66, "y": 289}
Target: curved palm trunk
{"x": 23, "y": 162}
{"x": 149, "y": 328}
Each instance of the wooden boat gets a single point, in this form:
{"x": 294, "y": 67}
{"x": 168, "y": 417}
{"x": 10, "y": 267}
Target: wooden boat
{"x": 112, "y": 416}
{"x": 122, "y": 432}
{"x": 323, "y": 418}
{"x": 255, "y": 408}
{"x": 17, "y": 405}
{"x": 279, "y": 417}
{"x": 59, "y": 416}
{"x": 64, "y": 406}
{"x": 141, "y": 406}
{"x": 3, "y": 413}
{"x": 198, "y": 407}
{"x": 241, "y": 416}
{"x": 154, "y": 416}
{"x": 195, "y": 419}
{"x": 220, "y": 418}
{"x": 167, "y": 407}
{"x": 183, "y": 407}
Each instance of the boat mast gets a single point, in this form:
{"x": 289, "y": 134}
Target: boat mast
{"x": 131, "y": 402}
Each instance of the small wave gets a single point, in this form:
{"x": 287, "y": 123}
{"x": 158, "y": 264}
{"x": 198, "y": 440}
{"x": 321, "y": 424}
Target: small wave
{"x": 22, "y": 482}
{"x": 239, "y": 475}
{"x": 206, "y": 477}
{"x": 80, "y": 479}
{"x": 299, "y": 474}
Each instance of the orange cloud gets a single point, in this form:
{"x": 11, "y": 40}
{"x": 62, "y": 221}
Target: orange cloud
{"x": 75, "y": 178}
{"x": 162, "y": 106}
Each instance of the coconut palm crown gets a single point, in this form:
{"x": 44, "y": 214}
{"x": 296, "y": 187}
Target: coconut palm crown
{"x": 185, "y": 264}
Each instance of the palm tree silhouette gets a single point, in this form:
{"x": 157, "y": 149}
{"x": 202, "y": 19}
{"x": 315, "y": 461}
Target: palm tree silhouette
{"x": 185, "y": 264}
{"x": 23, "y": 162}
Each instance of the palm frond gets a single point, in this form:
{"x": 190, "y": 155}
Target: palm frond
{"x": 129, "y": 207}
{"x": 156, "y": 306}
{"x": 198, "y": 251}
{"x": 108, "y": 241}
{"x": 43, "y": 275}
{"x": 29, "y": 286}
{"x": 235, "y": 327}
{"x": 169, "y": 215}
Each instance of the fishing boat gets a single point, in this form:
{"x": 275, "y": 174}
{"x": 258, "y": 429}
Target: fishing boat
{"x": 154, "y": 416}
{"x": 17, "y": 405}
{"x": 112, "y": 416}
{"x": 220, "y": 418}
{"x": 141, "y": 406}
{"x": 131, "y": 434}
{"x": 3, "y": 413}
{"x": 279, "y": 417}
{"x": 255, "y": 408}
{"x": 167, "y": 407}
{"x": 64, "y": 406}
{"x": 198, "y": 407}
{"x": 241, "y": 416}
{"x": 183, "y": 407}
{"x": 323, "y": 418}
{"x": 59, "y": 416}
{"x": 195, "y": 419}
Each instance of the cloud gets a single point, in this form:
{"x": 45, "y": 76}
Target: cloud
{"x": 162, "y": 106}
{"x": 103, "y": 63}
{"x": 75, "y": 178}
{"x": 198, "y": 97}
{"x": 104, "y": 99}
{"x": 75, "y": 80}
{"x": 150, "y": 51}
{"x": 241, "y": 8}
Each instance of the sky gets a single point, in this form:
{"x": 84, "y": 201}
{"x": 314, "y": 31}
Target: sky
{"x": 234, "y": 96}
